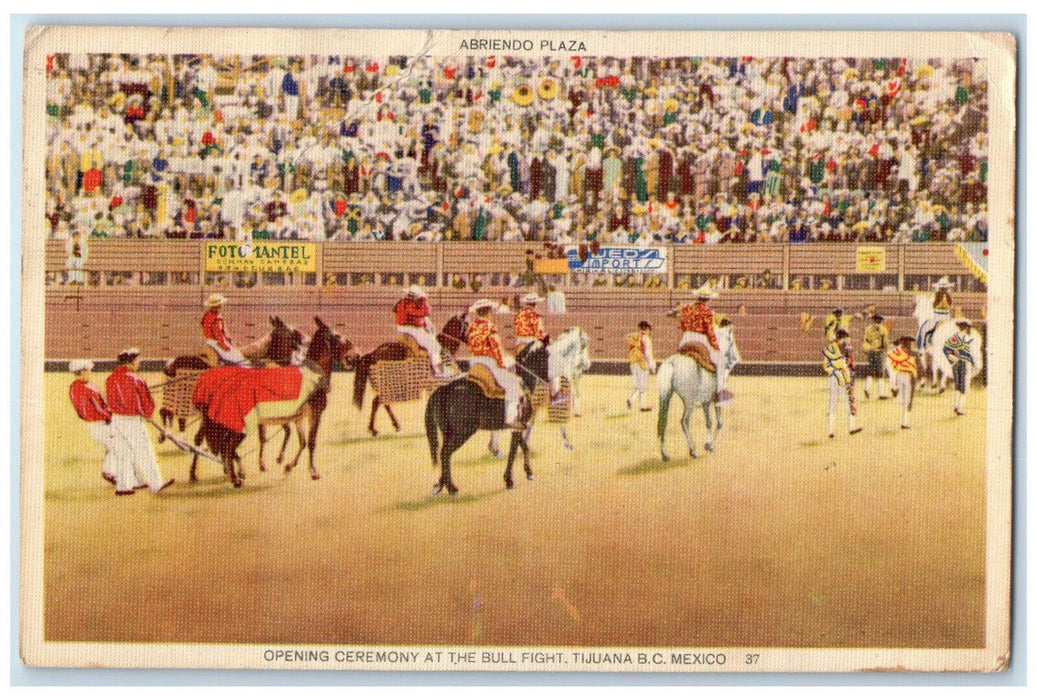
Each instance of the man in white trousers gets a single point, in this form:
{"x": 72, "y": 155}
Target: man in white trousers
{"x": 131, "y": 405}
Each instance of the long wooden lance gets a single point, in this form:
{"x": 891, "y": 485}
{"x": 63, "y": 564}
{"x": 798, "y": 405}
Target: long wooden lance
{"x": 183, "y": 446}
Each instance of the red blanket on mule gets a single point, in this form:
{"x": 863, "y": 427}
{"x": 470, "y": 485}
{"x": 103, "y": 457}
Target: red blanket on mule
{"x": 230, "y": 392}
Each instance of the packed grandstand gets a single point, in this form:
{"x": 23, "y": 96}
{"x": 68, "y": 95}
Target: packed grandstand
{"x": 637, "y": 151}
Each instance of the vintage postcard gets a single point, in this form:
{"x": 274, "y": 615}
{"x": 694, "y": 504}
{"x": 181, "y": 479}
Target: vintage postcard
{"x": 517, "y": 350}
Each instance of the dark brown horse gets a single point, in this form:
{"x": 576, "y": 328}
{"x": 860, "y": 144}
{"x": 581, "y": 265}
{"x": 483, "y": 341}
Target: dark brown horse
{"x": 326, "y": 350}
{"x": 279, "y": 348}
{"x": 450, "y": 338}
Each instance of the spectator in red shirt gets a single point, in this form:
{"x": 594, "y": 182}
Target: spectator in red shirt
{"x": 91, "y": 408}
{"x": 131, "y": 404}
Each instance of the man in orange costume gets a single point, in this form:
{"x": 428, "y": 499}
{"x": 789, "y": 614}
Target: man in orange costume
{"x": 488, "y": 350}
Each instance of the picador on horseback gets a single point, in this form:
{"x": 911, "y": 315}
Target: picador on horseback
{"x": 487, "y": 350}
{"x": 697, "y": 323}
{"x": 412, "y": 313}
{"x": 215, "y": 332}
{"x": 529, "y": 328}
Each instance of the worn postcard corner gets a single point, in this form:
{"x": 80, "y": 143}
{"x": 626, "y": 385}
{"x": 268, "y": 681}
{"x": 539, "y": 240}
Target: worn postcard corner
{"x": 517, "y": 350}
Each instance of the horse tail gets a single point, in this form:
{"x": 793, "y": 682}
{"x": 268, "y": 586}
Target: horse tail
{"x": 431, "y": 428}
{"x": 664, "y": 381}
{"x": 363, "y": 369}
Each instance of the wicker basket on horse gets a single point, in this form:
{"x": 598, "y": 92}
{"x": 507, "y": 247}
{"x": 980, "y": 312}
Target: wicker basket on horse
{"x": 177, "y": 393}
{"x": 555, "y": 414}
{"x": 399, "y": 381}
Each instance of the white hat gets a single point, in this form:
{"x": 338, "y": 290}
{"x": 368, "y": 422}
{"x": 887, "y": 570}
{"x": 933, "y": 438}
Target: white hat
{"x": 532, "y": 298}
{"x": 483, "y": 304}
{"x": 415, "y": 291}
{"x": 75, "y": 366}
{"x": 942, "y": 283}
{"x": 215, "y": 300}
{"x": 706, "y": 291}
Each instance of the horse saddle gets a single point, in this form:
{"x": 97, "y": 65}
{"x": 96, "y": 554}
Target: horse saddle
{"x": 209, "y": 356}
{"x": 413, "y": 349}
{"x": 483, "y": 378}
{"x": 699, "y": 353}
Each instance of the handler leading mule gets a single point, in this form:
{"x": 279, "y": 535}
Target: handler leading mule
{"x": 696, "y": 385}
{"x": 234, "y": 399}
{"x": 460, "y": 408}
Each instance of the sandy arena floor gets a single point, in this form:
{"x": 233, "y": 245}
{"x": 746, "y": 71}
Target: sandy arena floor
{"x": 781, "y": 538}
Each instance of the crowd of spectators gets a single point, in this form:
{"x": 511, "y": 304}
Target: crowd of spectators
{"x": 632, "y": 151}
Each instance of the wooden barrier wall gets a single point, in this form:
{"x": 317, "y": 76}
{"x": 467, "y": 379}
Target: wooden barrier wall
{"x": 163, "y": 319}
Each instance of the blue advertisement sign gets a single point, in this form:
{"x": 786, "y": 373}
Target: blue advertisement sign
{"x": 619, "y": 259}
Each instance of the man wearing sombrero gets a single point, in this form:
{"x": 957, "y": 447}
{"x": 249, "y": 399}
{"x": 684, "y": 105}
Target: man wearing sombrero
{"x": 941, "y": 311}
{"x": 529, "y": 327}
{"x": 215, "y": 332}
{"x": 412, "y": 319}
{"x": 488, "y": 350}
{"x": 697, "y": 323}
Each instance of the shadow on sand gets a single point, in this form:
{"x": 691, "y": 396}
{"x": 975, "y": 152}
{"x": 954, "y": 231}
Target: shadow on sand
{"x": 654, "y": 466}
{"x": 442, "y": 499}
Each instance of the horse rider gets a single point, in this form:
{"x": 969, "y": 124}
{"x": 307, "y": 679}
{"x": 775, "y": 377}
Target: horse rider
{"x": 697, "y": 323}
{"x": 942, "y": 304}
{"x": 487, "y": 349}
{"x": 529, "y": 328}
{"x": 960, "y": 351}
{"x": 412, "y": 319}
{"x": 216, "y": 333}
{"x": 91, "y": 408}
{"x": 837, "y": 362}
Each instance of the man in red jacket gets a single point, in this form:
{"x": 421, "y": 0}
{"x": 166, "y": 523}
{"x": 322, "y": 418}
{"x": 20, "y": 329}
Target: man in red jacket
{"x": 216, "y": 333}
{"x": 91, "y": 408}
{"x": 131, "y": 404}
{"x": 412, "y": 319}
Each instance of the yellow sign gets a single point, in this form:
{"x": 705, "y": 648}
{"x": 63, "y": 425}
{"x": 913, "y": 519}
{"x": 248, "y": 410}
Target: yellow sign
{"x": 871, "y": 259}
{"x": 260, "y": 256}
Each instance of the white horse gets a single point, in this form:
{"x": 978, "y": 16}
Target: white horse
{"x": 933, "y": 330}
{"x": 568, "y": 356}
{"x": 696, "y": 386}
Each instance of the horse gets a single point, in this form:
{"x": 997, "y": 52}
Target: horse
{"x": 682, "y": 375}
{"x": 933, "y": 366}
{"x": 459, "y": 409}
{"x": 280, "y": 346}
{"x": 569, "y": 356}
{"x": 325, "y": 350}
{"x": 450, "y": 338}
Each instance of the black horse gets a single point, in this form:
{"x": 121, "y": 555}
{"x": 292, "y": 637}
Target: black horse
{"x": 459, "y": 409}
{"x": 450, "y": 338}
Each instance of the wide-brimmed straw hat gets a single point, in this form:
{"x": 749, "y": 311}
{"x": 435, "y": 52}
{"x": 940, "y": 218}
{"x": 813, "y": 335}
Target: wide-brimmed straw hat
{"x": 532, "y": 298}
{"x": 415, "y": 291}
{"x": 215, "y": 300}
{"x": 483, "y": 304}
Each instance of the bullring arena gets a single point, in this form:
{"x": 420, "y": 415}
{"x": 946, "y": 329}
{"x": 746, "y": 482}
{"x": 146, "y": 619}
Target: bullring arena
{"x": 780, "y": 538}
{"x": 792, "y": 185}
